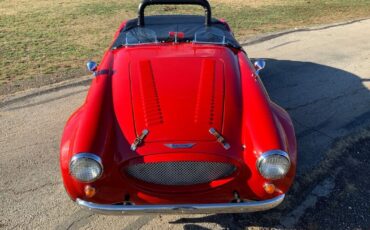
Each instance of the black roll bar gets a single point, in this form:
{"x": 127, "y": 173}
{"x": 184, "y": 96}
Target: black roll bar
{"x": 204, "y": 3}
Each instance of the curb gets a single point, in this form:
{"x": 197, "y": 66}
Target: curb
{"x": 19, "y": 96}
{"x": 270, "y": 36}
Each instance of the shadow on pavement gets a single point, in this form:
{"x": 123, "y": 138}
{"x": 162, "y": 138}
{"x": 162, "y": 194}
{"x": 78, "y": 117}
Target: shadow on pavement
{"x": 325, "y": 104}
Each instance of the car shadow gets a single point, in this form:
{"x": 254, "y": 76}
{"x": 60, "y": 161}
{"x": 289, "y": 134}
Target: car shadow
{"x": 325, "y": 103}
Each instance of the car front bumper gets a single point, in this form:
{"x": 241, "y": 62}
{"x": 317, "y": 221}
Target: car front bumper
{"x": 247, "y": 206}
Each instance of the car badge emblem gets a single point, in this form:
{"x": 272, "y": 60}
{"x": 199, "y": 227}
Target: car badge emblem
{"x": 180, "y": 146}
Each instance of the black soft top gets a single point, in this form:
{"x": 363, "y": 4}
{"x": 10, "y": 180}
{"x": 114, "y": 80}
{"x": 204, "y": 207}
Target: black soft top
{"x": 190, "y": 25}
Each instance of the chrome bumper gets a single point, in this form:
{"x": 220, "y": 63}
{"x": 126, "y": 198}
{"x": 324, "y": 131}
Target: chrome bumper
{"x": 248, "y": 206}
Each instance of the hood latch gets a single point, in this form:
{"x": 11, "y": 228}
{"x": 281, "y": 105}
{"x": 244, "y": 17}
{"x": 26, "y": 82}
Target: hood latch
{"x": 220, "y": 139}
{"x": 139, "y": 139}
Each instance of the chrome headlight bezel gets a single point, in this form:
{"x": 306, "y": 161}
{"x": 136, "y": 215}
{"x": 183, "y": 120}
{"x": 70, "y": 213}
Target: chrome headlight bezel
{"x": 265, "y": 156}
{"x": 93, "y": 158}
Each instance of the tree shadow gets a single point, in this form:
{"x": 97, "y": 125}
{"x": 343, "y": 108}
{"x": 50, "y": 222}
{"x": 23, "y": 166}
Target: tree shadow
{"x": 325, "y": 103}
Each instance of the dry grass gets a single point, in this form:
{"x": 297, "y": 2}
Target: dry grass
{"x": 43, "y": 41}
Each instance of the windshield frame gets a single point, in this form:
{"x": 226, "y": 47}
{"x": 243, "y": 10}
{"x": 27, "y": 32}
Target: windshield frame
{"x": 189, "y": 25}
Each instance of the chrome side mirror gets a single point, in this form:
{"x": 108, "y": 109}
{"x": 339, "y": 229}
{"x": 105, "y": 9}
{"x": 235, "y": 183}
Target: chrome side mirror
{"x": 91, "y": 66}
{"x": 259, "y": 65}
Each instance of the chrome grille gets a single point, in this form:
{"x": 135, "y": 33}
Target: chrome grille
{"x": 180, "y": 173}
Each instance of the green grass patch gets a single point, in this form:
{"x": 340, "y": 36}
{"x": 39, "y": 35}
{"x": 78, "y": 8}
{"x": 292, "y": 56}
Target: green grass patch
{"x": 51, "y": 40}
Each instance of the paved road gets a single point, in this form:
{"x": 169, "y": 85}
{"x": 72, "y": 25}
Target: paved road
{"x": 322, "y": 77}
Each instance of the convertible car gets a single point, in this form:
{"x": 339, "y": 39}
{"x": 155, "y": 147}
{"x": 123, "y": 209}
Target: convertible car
{"x": 177, "y": 120}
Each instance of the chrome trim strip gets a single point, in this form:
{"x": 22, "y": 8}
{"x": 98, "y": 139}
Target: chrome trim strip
{"x": 248, "y": 206}
{"x": 180, "y": 146}
{"x": 87, "y": 155}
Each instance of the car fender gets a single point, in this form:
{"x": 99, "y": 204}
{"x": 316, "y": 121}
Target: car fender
{"x": 266, "y": 127}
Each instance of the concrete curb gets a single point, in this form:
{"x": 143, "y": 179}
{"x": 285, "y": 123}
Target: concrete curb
{"x": 269, "y": 36}
{"x": 19, "y": 96}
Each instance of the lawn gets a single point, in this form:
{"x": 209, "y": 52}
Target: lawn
{"x": 43, "y": 41}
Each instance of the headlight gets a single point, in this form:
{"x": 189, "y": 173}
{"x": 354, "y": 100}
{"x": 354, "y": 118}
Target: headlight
{"x": 273, "y": 164}
{"x": 86, "y": 167}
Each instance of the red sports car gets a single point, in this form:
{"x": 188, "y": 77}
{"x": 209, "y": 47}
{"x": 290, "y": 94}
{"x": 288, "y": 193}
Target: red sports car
{"x": 177, "y": 120}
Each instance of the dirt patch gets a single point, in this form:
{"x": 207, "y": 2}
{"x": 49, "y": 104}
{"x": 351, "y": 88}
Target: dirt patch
{"x": 348, "y": 206}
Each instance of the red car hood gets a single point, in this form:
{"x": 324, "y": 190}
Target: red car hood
{"x": 176, "y": 94}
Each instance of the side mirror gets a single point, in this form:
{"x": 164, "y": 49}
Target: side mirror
{"x": 91, "y": 66}
{"x": 259, "y": 65}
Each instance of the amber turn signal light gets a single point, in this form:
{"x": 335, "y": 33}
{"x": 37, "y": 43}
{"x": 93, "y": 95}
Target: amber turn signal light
{"x": 89, "y": 191}
{"x": 269, "y": 188}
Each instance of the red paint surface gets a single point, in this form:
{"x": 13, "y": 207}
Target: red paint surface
{"x": 177, "y": 92}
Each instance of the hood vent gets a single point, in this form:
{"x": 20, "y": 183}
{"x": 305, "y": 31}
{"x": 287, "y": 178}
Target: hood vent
{"x": 149, "y": 95}
{"x": 177, "y": 99}
{"x": 205, "y": 106}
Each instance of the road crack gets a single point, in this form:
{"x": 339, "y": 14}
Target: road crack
{"x": 330, "y": 99}
{"x": 82, "y": 219}
{"x": 76, "y": 220}
{"x": 15, "y": 192}
{"x": 313, "y": 129}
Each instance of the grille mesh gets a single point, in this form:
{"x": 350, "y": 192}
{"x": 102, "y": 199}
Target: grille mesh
{"x": 180, "y": 173}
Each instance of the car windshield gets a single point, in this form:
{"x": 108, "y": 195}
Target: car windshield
{"x": 160, "y": 29}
